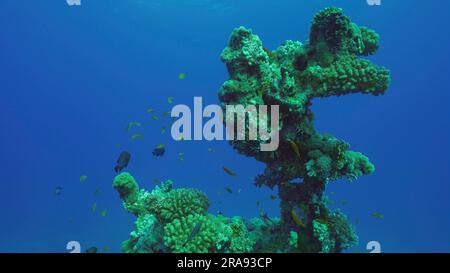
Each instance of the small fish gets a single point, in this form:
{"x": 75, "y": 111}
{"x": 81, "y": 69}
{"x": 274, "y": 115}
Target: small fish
{"x": 105, "y": 248}
{"x": 210, "y": 150}
{"x": 182, "y": 76}
{"x": 133, "y": 123}
{"x": 83, "y": 178}
{"x": 228, "y": 171}
{"x": 94, "y": 207}
{"x": 92, "y": 249}
{"x": 181, "y": 138}
{"x": 181, "y": 156}
{"x": 332, "y": 193}
{"x": 229, "y": 190}
{"x": 103, "y": 213}
{"x": 273, "y": 197}
{"x": 344, "y": 202}
{"x": 258, "y": 203}
{"x": 377, "y": 215}
{"x": 219, "y": 212}
{"x": 154, "y": 117}
{"x": 296, "y": 219}
{"x": 150, "y": 110}
{"x": 58, "y": 190}
{"x": 166, "y": 113}
{"x": 97, "y": 192}
{"x": 170, "y": 100}
{"x": 159, "y": 150}
{"x": 122, "y": 161}
{"x": 136, "y": 136}
{"x": 239, "y": 190}
{"x": 163, "y": 129}
{"x": 294, "y": 147}
{"x": 266, "y": 217}
{"x": 194, "y": 232}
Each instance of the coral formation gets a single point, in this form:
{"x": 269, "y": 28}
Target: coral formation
{"x": 176, "y": 220}
{"x": 291, "y": 76}
{"x": 328, "y": 64}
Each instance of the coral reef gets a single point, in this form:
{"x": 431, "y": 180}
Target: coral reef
{"x": 328, "y": 64}
{"x": 291, "y": 76}
{"x": 176, "y": 220}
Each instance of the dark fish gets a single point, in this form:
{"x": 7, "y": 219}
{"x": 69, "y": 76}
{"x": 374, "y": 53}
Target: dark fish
{"x": 92, "y": 249}
{"x": 273, "y": 197}
{"x": 229, "y": 190}
{"x": 194, "y": 232}
{"x": 229, "y": 172}
{"x": 266, "y": 217}
{"x": 122, "y": 161}
{"x": 58, "y": 190}
{"x": 159, "y": 150}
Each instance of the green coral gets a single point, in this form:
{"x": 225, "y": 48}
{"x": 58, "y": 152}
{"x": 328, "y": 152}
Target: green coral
{"x": 330, "y": 63}
{"x": 322, "y": 234}
{"x": 167, "y": 219}
{"x": 180, "y": 202}
{"x": 177, "y": 232}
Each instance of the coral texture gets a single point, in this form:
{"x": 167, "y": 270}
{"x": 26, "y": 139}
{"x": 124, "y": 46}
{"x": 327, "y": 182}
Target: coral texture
{"x": 291, "y": 76}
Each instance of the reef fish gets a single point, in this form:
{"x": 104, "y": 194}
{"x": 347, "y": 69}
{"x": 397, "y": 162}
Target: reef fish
{"x": 159, "y": 150}
{"x": 377, "y": 215}
{"x": 228, "y": 171}
{"x": 297, "y": 219}
{"x": 83, "y": 178}
{"x": 182, "y": 76}
{"x": 92, "y": 249}
{"x": 136, "y": 136}
{"x": 94, "y": 207}
{"x": 103, "y": 213}
{"x": 58, "y": 190}
{"x": 194, "y": 232}
{"x": 295, "y": 148}
{"x": 122, "y": 161}
{"x": 170, "y": 100}
{"x": 133, "y": 123}
{"x": 229, "y": 190}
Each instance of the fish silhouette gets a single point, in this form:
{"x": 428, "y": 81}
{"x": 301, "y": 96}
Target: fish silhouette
{"x": 122, "y": 161}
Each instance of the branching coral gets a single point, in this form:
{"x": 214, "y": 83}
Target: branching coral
{"x": 291, "y": 76}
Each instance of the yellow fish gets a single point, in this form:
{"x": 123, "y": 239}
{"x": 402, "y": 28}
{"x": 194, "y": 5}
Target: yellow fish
{"x": 133, "y": 123}
{"x": 94, "y": 207}
{"x": 377, "y": 215}
{"x": 294, "y": 147}
{"x": 103, "y": 213}
{"x": 182, "y": 76}
{"x": 136, "y": 136}
{"x": 170, "y": 100}
{"x": 296, "y": 219}
{"x": 83, "y": 178}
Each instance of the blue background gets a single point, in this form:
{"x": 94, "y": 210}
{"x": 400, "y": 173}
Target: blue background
{"x": 71, "y": 78}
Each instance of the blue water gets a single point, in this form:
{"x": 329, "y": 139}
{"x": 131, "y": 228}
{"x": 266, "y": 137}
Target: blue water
{"x": 71, "y": 78}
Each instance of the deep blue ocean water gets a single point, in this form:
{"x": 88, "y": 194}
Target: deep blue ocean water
{"x": 71, "y": 78}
